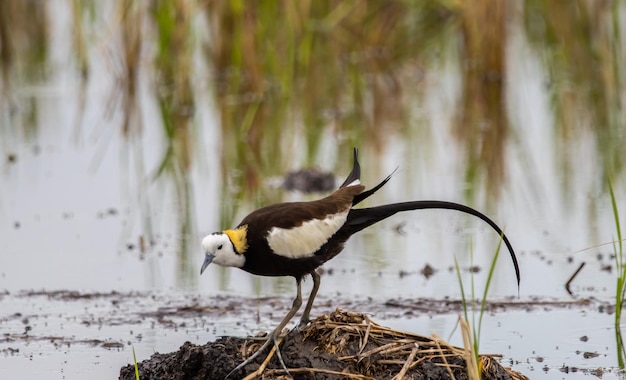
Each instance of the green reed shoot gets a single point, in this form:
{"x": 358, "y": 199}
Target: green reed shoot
{"x": 135, "y": 363}
{"x": 475, "y": 327}
{"x": 620, "y": 289}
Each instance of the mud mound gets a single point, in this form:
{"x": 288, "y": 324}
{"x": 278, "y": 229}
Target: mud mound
{"x": 343, "y": 345}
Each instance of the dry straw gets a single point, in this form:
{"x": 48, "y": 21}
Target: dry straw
{"x": 370, "y": 351}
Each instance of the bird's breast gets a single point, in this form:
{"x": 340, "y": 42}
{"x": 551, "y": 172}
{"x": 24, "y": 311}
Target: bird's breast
{"x": 307, "y": 238}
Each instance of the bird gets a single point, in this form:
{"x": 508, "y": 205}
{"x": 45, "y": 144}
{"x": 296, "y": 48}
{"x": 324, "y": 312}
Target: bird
{"x": 295, "y": 238}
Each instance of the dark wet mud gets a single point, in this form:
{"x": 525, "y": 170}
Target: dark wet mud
{"x": 342, "y": 345}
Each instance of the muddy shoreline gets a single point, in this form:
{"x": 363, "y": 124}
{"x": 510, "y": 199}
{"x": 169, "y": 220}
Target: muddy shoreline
{"x": 108, "y": 324}
{"x": 341, "y": 345}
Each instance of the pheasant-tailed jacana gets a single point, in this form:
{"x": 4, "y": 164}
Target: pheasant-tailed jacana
{"x": 294, "y": 238}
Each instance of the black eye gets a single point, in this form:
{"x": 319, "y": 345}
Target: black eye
{"x": 219, "y": 246}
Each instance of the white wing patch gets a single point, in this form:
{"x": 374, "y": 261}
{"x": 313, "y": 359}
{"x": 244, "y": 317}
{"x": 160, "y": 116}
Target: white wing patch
{"x": 305, "y": 240}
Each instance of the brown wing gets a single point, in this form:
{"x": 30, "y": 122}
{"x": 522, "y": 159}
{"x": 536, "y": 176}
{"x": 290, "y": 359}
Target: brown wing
{"x": 293, "y": 214}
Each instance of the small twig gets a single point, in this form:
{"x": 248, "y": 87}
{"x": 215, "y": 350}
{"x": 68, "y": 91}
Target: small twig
{"x": 364, "y": 341}
{"x": 443, "y": 356}
{"x": 396, "y": 349}
{"x": 407, "y": 364}
{"x": 387, "y": 349}
{"x": 391, "y": 361}
{"x": 567, "y": 284}
{"x": 599, "y": 245}
{"x": 319, "y": 370}
{"x": 261, "y": 368}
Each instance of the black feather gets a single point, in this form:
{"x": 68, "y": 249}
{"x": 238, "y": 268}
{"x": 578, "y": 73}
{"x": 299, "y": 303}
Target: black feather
{"x": 359, "y": 198}
{"x": 359, "y": 219}
{"x": 356, "y": 170}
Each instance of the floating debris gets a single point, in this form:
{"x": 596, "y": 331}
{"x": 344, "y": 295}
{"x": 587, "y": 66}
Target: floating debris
{"x": 310, "y": 180}
{"x": 428, "y": 271}
{"x": 567, "y": 284}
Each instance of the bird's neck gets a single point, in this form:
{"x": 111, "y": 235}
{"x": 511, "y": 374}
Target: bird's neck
{"x": 238, "y": 237}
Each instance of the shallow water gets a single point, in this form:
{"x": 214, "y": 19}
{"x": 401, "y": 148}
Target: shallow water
{"x": 547, "y": 351}
{"x": 69, "y": 335}
{"x": 75, "y": 214}
{"x": 68, "y": 226}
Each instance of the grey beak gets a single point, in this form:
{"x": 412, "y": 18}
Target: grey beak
{"x": 207, "y": 260}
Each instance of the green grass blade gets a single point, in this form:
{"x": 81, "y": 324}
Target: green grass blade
{"x": 492, "y": 270}
{"x": 620, "y": 290}
{"x": 458, "y": 275}
{"x": 617, "y": 224}
{"x": 475, "y": 335}
{"x": 135, "y": 363}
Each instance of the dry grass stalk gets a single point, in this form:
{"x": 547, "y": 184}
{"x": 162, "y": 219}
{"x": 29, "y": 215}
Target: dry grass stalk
{"x": 372, "y": 349}
{"x": 473, "y": 369}
{"x": 407, "y": 364}
{"x": 263, "y": 365}
{"x": 448, "y": 367}
{"x": 276, "y": 372}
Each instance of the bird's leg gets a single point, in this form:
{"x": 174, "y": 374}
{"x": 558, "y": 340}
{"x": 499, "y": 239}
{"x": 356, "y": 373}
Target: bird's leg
{"x": 304, "y": 320}
{"x": 273, "y": 337}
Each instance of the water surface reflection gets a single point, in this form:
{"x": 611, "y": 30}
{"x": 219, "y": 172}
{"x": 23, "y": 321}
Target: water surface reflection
{"x": 136, "y": 128}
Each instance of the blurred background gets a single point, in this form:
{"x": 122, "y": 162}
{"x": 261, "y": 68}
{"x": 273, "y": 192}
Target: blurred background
{"x": 130, "y": 129}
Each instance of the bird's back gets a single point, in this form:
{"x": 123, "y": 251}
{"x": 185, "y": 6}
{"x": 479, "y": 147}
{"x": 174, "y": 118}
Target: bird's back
{"x": 288, "y": 215}
{"x": 287, "y": 235}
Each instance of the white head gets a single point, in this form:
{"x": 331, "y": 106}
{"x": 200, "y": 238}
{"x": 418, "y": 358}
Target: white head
{"x": 220, "y": 250}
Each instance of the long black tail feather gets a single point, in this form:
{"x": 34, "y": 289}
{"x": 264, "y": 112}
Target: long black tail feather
{"x": 355, "y": 173}
{"x": 359, "y": 219}
{"x": 359, "y": 198}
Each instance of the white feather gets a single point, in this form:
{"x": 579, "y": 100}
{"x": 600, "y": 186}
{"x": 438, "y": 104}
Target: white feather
{"x": 305, "y": 240}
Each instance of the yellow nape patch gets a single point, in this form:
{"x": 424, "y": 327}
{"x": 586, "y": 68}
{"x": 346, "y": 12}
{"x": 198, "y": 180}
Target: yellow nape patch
{"x": 238, "y": 237}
